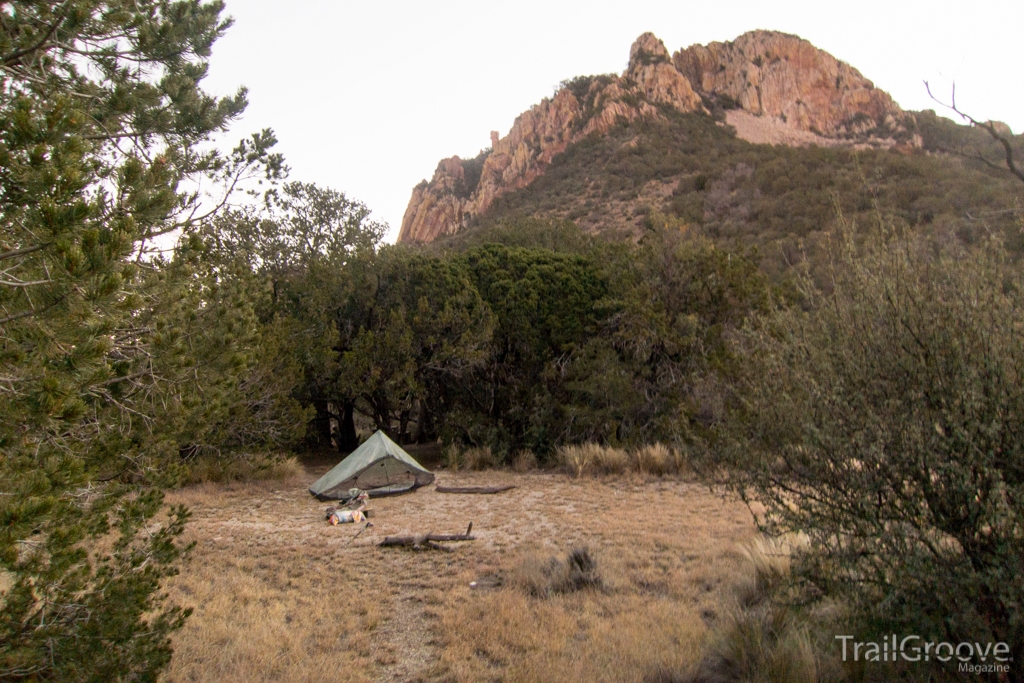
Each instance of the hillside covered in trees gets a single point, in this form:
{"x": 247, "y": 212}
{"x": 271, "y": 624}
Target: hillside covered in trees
{"x": 763, "y": 141}
{"x": 782, "y": 199}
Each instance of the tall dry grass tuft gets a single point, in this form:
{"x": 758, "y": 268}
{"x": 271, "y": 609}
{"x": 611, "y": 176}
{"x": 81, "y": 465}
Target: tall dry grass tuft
{"x": 524, "y": 461}
{"x": 535, "y": 575}
{"x": 469, "y": 459}
{"x": 577, "y": 459}
{"x": 258, "y": 467}
{"x": 767, "y": 644}
{"x": 770, "y": 560}
{"x": 452, "y": 455}
{"x": 608, "y": 460}
{"x": 761, "y": 641}
{"x": 594, "y": 459}
{"x": 654, "y": 458}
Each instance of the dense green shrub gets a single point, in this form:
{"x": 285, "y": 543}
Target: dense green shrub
{"x": 886, "y": 421}
{"x": 592, "y": 340}
{"x": 472, "y": 171}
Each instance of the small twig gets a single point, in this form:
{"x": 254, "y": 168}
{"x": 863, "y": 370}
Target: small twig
{"x": 368, "y": 524}
{"x": 21, "y": 252}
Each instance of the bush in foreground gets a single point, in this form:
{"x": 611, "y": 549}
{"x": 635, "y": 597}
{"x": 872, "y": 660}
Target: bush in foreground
{"x": 887, "y": 422}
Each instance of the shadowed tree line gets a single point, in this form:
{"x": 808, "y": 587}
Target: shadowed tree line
{"x": 506, "y": 346}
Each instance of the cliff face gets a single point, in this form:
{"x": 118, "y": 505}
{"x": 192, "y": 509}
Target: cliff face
{"x": 784, "y": 77}
{"x": 585, "y": 106}
{"x": 778, "y": 77}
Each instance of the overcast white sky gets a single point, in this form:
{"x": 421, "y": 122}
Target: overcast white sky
{"x": 366, "y": 97}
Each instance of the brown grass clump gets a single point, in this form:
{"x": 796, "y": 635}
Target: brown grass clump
{"x": 524, "y": 461}
{"x": 609, "y": 460}
{"x": 592, "y": 458}
{"x": 655, "y": 459}
{"x": 552, "y": 577}
{"x": 770, "y": 560}
{"x": 595, "y": 459}
{"x": 259, "y": 467}
{"x": 763, "y": 645}
{"x": 760, "y": 641}
{"x": 469, "y": 459}
{"x": 577, "y": 459}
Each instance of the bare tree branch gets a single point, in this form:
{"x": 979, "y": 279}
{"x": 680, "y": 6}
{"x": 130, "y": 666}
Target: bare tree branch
{"x": 33, "y": 283}
{"x": 985, "y": 125}
{"x": 18, "y": 54}
{"x": 20, "y": 252}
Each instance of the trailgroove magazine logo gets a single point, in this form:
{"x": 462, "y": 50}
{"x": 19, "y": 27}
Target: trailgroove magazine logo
{"x": 972, "y": 657}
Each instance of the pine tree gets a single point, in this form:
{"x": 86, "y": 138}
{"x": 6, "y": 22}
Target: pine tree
{"x": 102, "y": 123}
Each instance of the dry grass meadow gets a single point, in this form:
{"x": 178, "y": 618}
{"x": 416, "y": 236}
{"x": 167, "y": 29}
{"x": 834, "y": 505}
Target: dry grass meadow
{"x": 280, "y": 595}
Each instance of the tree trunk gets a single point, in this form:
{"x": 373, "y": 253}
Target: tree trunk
{"x": 424, "y": 424}
{"x": 403, "y": 427}
{"x": 381, "y": 413}
{"x": 347, "y": 439}
{"x": 319, "y": 434}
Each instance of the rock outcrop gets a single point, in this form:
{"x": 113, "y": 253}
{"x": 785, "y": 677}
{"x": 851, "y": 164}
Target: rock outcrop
{"x": 781, "y": 78}
{"x": 656, "y": 79}
{"x": 435, "y": 208}
{"x": 584, "y": 106}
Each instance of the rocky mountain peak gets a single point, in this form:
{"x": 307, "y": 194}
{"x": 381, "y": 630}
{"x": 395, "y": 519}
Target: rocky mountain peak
{"x": 776, "y": 88}
{"x": 647, "y": 49}
{"x": 786, "y": 78}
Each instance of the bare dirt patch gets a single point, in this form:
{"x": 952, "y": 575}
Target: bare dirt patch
{"x": 280, "y": 595}
{"x": 772, "y": 131}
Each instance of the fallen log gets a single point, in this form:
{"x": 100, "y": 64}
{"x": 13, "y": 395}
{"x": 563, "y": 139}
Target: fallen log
{"x": 474, "y": 489}
{"x": 431, "y": 540}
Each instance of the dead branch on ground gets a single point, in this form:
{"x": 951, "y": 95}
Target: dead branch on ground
{"x": 431, "y": 540}
{"x": 474, "y": 489}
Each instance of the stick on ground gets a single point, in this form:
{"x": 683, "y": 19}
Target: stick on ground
{"x": 474, "y": 489}
{"x": 420, "y": 541}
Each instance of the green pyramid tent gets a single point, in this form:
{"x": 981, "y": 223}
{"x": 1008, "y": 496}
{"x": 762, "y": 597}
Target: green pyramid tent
{"x": 379, "y": 466}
